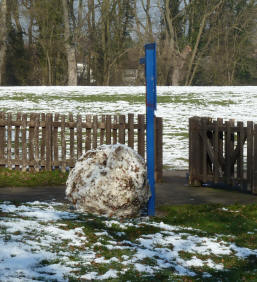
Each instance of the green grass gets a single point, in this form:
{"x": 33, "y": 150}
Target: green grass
{"x": 234, "y": 224}
{"x": 237, "y": 221}
{"x": 114, "y": 98}
{"x": 209, "y": 220}
{"x": 16, "y": 178}
{"x": 237, "y": 224}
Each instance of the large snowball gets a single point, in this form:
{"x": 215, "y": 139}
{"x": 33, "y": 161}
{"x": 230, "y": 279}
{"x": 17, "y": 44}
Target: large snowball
{"x": 110, "y": 180}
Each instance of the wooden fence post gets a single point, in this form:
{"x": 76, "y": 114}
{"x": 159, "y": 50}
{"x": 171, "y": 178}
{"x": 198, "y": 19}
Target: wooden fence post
{"x": 9, "y": 140}
{"x": 158, "y": 148}
{"x": 131, "y": 130}
{"x": 31, "y": 142}
{"x": 216, "y": 152}
{"x": 229, "y": 144}
{"x": 63, "y": 144}
{"x": 232, "y": 173}
{"x": 240, "y": 163}
{"x": 56, "y": 142}
{"x": 24, "y": 142}
{"x": 43, "y": 141}
{"x": 249, "y": 132}
{"x": 17, "y": 142}
{"x": 141, "y": 135}
{"x": 254, "y": 186}
{"x": 95, "y": 126}
{"x": 204, "y": 122}
{"x": 115, "y": 129}
{"x": 79, "y": 136}
{"x": 72, "y": 137}
{"x": 195, "y": 152}
{"x": 88, "y": 132}
{"x": 2, "y": 139}
{"x": 102, "y": 132}
{"x": 122, "y": 121}
{"x": 220, "y": 144}
{"x": 36, "y": 143}
{"x": 108, "y": 125}
{"x": 49, "y": 120}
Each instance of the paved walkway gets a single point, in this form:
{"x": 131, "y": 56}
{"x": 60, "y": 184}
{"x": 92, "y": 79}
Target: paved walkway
{"x": 172, "y": 191}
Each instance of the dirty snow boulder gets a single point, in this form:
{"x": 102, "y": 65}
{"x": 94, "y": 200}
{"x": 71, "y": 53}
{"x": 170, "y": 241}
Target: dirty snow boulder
{"x": 110, "y": 180}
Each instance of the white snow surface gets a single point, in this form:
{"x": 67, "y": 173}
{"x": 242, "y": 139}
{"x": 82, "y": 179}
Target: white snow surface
{"x": 34, "y": 248}
{"x": 179, "y": 104}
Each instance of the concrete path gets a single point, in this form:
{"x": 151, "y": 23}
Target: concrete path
{"x": 172, "y": 191}
{"x": 28, "y": 194}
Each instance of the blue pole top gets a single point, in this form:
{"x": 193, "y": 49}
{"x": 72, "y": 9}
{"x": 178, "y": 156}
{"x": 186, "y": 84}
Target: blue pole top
{"x": 151, "y": 74}
{"x": 150, "y": 46}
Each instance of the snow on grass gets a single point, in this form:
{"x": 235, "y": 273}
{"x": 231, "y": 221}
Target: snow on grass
{"x": 175, "y": 105}
{"x": 42, "y": 241}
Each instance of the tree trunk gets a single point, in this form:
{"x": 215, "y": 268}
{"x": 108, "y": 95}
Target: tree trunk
{"x": 69, "y": 47}
{"x": 178, "y": 73}
{"x": 16, "y": 16}
{"x": 49, "y": 69}
{"x": 197, "y": 43}
{"x": 91, "y": 60}
{"x": 3, "y": 36}
{"x": 106, "y": 41}
{"x": 175, "y": 77}
{"x": 148, "y": 26}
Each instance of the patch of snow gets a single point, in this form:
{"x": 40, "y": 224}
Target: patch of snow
{"x": 206, "y": 275}
{"x": 120, "y": 234}
{"x": 104, "y": 233}
{"x": 242, "y": 252}
{"x": 226, "y": 209}
{"x": 181, "y": 103}
{"x": 90, "y": 276}
{"x": 143, "y": 268}
{"x": 94, "y": 275}
{"x": 40, "y": 249}
{"x": 109, "y": 274}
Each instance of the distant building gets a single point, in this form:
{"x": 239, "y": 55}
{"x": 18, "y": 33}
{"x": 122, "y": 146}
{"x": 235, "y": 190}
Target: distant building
{"x": 132, "y": 73}
{"x": 82, "y": 71}
{"x": 129, "y": 76}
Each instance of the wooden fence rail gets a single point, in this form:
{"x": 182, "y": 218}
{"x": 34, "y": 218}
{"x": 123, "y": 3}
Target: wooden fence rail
{"x": 39, "y": 141}
{"x": 223, "y": 153}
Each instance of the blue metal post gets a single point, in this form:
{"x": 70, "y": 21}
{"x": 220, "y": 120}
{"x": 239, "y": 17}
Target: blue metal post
{"x": 150, "y": 74}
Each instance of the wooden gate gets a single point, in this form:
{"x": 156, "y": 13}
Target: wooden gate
{"x": 223, "y": 153}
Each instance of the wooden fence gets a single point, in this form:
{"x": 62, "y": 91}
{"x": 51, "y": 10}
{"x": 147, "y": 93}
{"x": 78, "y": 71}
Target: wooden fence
{"x": 223, "y": 153}
{"x": 46, "y": 141}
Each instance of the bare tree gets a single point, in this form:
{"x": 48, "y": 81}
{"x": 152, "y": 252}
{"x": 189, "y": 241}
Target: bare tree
{"x": 69, "y": 46}
{"x": 173, "y": 55}
{"x": 108, "y": 29}
{"x": 186, "y": 35}
{"x": 199, "y": 41}
{"x": 208, "y": 11}
{"x": 3, "y": 36}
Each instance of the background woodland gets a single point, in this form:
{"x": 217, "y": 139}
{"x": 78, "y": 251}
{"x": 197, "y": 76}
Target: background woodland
{"x": 94, "y": 42}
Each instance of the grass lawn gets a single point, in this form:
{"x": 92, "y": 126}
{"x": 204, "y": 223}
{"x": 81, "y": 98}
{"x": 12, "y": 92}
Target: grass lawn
{"x": 16, "y": 178}
{"x": 51, "y": 242}
{"x": 236, "y": 224}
